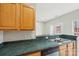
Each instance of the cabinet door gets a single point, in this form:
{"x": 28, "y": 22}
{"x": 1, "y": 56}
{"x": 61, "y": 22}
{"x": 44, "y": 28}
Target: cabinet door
{"x": 70, "y": 49}
{"x": 63, "y": 50}
{"x": 27, "y": 17}
{"x": 75, "y": 48}
{"x": 75, "y": 52}
{"x": 33, "y": 54}
{"x": 8, "y": 16}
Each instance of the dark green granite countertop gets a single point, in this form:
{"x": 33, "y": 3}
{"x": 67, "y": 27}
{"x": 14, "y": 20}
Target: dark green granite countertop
{"x": 26, "y": 46}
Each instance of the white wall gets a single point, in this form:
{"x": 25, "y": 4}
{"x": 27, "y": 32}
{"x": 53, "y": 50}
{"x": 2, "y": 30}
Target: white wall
{"x": 18, "y": 35}
{"x": 1, "y": 37}
{"x": 66, "y": 20}
{"x": 40, "y": 28}
{"x": 47, "y": 11}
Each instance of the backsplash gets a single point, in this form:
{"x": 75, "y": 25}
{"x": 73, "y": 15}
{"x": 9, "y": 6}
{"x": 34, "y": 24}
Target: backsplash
{"x": 18, "y": 35}
{"x": 1, "y": 37}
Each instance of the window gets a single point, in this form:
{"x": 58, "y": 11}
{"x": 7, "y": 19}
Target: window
{"x": 76, "y": 27}
{"x": 58, "y": 28}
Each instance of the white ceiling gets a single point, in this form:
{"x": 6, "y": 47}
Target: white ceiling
{"x": 47, "y": 11}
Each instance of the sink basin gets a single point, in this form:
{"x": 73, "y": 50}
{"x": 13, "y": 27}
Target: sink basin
{"x": 64, "y": 42}
{"x": 67, "y": 41}
{"x": 51, "y": 40}
{"x": 60, "y": 41}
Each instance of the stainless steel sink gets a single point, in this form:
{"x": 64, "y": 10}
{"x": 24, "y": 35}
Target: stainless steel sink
{"x": 60, "y": 41}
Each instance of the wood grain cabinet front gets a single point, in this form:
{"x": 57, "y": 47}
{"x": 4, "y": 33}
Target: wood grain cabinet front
{"x": 33, "y": 54}
{"x": 69, "y": 49}
{"x": 27, "y": 17}
{"x": 63, "y": 50}
{"x": 16, "y": 16}
{"x": 75, "y": 48}
{"x": 72, "y": 49}
{"x": 8, "y": 16}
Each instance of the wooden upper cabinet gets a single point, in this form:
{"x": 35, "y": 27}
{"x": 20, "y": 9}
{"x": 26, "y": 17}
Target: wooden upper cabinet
{"x": 16, "y": 16}
{"x": 27, "y": 17}
{"x": 8, "y": 16}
